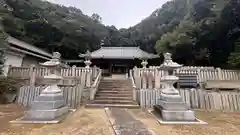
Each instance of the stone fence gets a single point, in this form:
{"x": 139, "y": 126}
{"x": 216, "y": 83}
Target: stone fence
{"x": 34, "y": 75}
{"x": 194, "y": 98}
{"x": 74, "y": 95}
{"x": 150, "y": 77}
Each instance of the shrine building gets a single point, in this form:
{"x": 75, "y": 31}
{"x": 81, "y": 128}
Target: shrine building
{"x": 118, "y": 60}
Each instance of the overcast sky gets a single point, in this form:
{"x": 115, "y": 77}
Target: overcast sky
{"x": 121, "y": 13}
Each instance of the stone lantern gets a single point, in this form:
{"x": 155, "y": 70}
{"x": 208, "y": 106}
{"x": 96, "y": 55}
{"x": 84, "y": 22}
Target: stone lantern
{"x": 87, "y": 61}
{"x": 144, "y": 63}
{"x": 50, "y": 104}
{"x": 171, "y": 105}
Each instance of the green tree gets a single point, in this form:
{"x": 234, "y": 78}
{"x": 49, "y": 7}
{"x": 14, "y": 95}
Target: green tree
{"x": 1, "y": 62}
{"x": 3, "y": 11}
{"x": 97, "y": 18}
{"x": 234, "y": 58}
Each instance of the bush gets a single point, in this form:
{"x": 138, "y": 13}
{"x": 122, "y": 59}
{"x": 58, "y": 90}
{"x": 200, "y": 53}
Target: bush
{"x": 7, "y": 86}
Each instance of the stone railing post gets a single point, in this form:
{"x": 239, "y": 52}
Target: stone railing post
{"x": 150, "y": 80}
{"x": 9, "y": 70}
{"x": 95, "y": 85}
{"x": 145, "y": 74}
{"x": 74, "y": 70}
{"x": 137, "y": 77}
{"x": 199, "y": 75}
{"x": 219, "y": 72}
{"x": 145, "y": 78}
{"x": 88, "y": 77}
{"x": 94, "y": 70}
{"x": 135, "y": 69}
{"x": 157, "y": 79}
{"x": 32, "y": 75}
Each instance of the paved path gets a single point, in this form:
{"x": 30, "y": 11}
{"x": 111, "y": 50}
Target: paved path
{"x": 124, "y": 124}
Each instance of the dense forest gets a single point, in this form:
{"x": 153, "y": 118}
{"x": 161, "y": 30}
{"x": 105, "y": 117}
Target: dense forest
{"x": 196, "y": 32}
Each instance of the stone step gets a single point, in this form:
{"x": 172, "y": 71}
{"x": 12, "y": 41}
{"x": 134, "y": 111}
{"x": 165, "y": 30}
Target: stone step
{"x": 120, "y": 88}
{"x": 106, "y": 101}
{"x": 114, "y": 90}
{"x": 112, "y": 86}
{"x": 114, "y": 83}
{"x": 114, "y": 94}
{"x": 109, "y": 81}
{"x": 118, "y": 81}
{"x": 129, "y": 106}
{"x": 115, "y": 86}
{"x": 113, "y": 98}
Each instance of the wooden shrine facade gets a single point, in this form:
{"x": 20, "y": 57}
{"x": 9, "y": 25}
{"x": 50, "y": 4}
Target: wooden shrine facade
{"x": 118, "y": 60}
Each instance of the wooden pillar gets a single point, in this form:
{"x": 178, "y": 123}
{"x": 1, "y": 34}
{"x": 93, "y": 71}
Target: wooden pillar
{"x": 110, "y": 68}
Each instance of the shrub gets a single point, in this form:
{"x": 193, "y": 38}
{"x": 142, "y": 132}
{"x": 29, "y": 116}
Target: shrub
{"x": 7, "y": 85}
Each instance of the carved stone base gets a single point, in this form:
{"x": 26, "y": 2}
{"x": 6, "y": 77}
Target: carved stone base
{"x": 47, "y": 106}
{"x": 173, "y": 105}
{"x": 173, "y": 108}
{"x": 171, "y": 98}
{"x": 187, "y": 115}
{"x": 175, "y": 115}
{"x": 45, "y": 114}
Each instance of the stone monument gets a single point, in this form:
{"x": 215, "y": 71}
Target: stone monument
{"x": 50, "y": 104}
{"x": 171, "y": 106}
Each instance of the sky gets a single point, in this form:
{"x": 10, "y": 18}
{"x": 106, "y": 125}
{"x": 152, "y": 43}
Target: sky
{"x": 120, "y": 13}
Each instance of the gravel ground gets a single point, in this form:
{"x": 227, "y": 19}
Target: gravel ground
{"x": 95, "y": 122}
{"x": 219, "y": 123}
{"x": 81, "y": 122}
{"x": 10, "y": 112}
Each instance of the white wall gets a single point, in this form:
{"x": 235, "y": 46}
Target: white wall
{"x": 12, "y": 58}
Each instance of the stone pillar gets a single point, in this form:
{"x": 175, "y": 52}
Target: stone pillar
{"x": 135, "y": 73}
{"x": 88, "y": 77}
{"x": 32, "y": 75}
{"x": 150, "y": 80}
{"x": 144, "y": 78}
{"x": 157, "y": 79}
{"x": 74, "y": 70}
{"x": 219, "y": 73}
{"x": 95, "y": 71}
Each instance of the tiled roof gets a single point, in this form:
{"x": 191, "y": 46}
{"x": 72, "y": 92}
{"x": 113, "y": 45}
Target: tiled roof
{"x": 121, "y": 53}
{"x": 27, "y": 46}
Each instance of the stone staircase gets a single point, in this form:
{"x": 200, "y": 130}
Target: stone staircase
{"x": 114, "y": 93}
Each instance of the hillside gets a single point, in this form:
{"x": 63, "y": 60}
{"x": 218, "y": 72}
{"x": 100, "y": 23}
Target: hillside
{"x": 52, "y": 27}
{"x": 196, "y": 32}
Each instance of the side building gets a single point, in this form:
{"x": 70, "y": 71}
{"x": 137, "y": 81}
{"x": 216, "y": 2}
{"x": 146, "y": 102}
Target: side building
{"x": 22, "y": 54}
